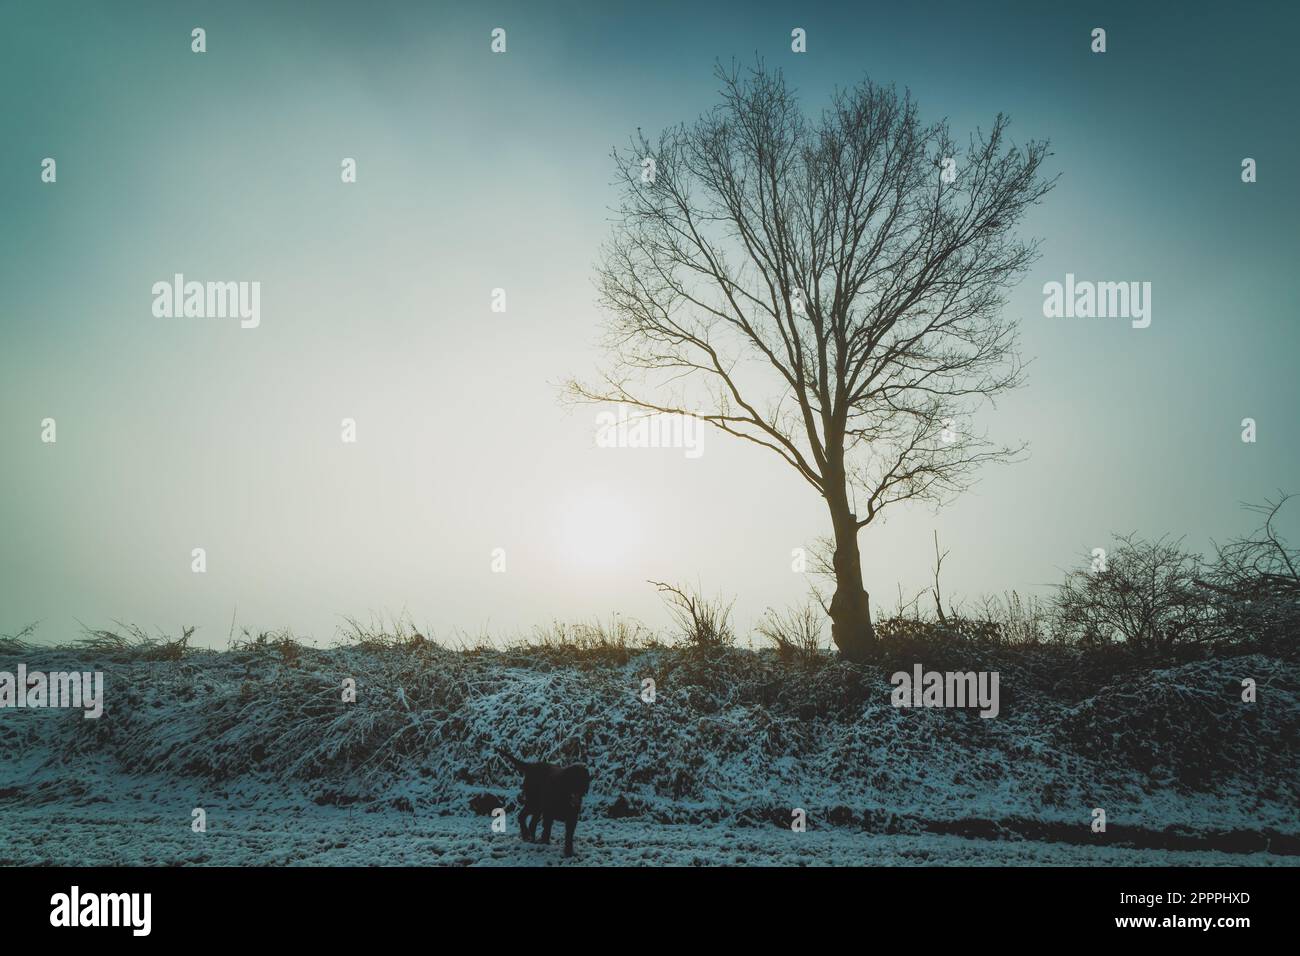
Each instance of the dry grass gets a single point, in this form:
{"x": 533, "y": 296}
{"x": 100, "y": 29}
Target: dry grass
{"x": 132, "y": 641}
{"x": 17, "y": 642}
{"x": 797, "y": 633}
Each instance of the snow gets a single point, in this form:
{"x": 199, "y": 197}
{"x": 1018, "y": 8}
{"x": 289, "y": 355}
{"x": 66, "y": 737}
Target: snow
{"x": 709, "y": 773}
{"x": 142, "y": 830}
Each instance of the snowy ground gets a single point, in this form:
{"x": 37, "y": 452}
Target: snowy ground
{"x": 288, "y": 774}
{"x": 150, "y": 833}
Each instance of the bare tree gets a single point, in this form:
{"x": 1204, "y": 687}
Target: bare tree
{"x": 827, "y": 289}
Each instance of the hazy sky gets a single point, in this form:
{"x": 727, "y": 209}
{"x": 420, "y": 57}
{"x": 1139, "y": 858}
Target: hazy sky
{"x": 479, "y": 171}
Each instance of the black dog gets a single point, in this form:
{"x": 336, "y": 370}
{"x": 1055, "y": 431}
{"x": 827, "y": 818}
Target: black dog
{"x": 551, "y": 793}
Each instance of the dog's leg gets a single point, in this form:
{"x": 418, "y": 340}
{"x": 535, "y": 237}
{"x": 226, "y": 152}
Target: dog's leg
{"x": 523, "y": 825}
{"x": 546, "y": 828}
{"x": 570, "y": 824}
{"x": 532, "y": 826}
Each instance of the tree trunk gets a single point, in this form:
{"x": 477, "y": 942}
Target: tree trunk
{"x": 851, "y": 628}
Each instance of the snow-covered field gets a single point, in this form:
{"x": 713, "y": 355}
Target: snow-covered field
{"x": 148, "y": 832}
{"x": 708, "y": 773}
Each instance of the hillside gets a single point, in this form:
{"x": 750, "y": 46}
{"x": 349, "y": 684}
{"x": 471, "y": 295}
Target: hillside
{"x": 732, "y": 742}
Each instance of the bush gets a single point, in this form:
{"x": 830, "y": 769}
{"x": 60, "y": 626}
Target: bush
{"x": 1144, "y": 593}
{"x": 1187, "y": 724}
{"x": 1017, "y": 621}
{"x": 1255, "y": 585}
{"x": 1154, "y": 597}
{"x": 705, "y": 623}
{"x": 797, "y": 633}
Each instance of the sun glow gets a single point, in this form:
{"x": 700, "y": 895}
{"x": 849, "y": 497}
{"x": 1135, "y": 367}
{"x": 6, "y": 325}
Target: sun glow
{"x": 595, "y": 528}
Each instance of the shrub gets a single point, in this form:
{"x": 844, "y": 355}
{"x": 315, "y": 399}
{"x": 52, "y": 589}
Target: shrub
{"x": 797, "y": 633}
{"x": 1017, "y": 621}
{"x": 1144, "y": 593}
{"x": 1255, "y": 585}
{"x": 705, "y": 623}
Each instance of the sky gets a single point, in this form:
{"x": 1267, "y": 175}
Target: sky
{"x": 479, "y": 171}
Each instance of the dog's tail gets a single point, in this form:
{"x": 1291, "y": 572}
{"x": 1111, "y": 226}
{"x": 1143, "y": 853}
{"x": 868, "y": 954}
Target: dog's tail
{"x": 519, "y": 764}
